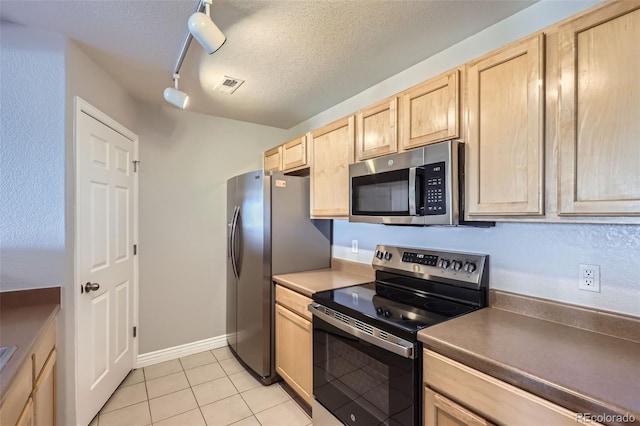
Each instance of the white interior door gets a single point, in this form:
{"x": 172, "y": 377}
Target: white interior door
{"x": 105, "y": 195}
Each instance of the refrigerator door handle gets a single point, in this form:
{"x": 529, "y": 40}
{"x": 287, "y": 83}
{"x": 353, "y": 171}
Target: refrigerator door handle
{"x": 232, "y": 239}
{"x": 237, "y": 244}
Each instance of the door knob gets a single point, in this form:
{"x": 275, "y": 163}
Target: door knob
{"x": 91, "y": 287}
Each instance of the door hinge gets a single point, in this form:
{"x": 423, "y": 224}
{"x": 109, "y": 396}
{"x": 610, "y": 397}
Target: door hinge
{"x": 135, "y": 331}
{"x": 135, "y": 249}
{"x": 135, "y": 165}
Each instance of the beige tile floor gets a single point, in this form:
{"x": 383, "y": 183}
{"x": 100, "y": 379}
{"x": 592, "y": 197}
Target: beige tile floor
{"x": 207, "y": 389}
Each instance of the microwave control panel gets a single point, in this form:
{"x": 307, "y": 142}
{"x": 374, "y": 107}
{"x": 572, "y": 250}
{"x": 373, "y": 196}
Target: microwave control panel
{"x": 434, "y": 189}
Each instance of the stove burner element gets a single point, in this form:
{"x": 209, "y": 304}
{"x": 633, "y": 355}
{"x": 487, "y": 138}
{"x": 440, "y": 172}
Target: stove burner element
{"x": 399, "y": 296}
{"x": 440, "y": 306}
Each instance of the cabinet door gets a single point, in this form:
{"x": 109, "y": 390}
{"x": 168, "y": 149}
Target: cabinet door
{"x": 44, "y": 394}
{"x": 26, "y": 418}
{"x": 294, "y": 360}
{"x": 440, "y": 411}
{"x": 17, "y": 394}
{"x": 598, "y": 138}
{"x": 294, "y": 154}
{"x": 430, "y": 111}
{"x": 377, "y": 130}
{"x": 491, "y": 398}
{"x": 331, "y": 153}
{"x": 505, "y": 151}
{"x": 273, "y": 160}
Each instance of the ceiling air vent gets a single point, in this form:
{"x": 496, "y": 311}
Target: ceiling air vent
{"x": 228, "y": 84}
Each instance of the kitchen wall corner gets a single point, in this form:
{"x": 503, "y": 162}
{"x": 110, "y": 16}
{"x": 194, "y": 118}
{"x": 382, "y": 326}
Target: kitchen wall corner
{"x": 186, "y": 159}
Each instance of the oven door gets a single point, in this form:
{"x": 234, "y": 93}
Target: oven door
{"x": 361, "y": 383}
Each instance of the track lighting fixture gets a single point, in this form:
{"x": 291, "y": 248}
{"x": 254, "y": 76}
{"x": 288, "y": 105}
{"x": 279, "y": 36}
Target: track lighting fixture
{"x": 203, "y": 29}
{"x": 175, "y": 96}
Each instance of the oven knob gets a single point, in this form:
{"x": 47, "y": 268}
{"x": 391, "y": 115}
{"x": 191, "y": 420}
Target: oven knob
{"x": 470, "y": 267}
{"x": 444, "y": 263}
{"x": 456, "y": 265}
{"x": 387, "y": 313}
{"x": 380, "y": 311}
{"x": 387, "y": 255}
{"x": 379, "y": 254}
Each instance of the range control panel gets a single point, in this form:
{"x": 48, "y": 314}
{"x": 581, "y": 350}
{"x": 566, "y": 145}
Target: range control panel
{"x": 419, "y": 258}
{"x": 466, "y": 268}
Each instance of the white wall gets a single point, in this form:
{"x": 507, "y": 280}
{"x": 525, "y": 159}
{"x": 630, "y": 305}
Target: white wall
{"x": 32, "y": 173}
{"x": 534, "y": 259}
{"x": 186, "y": 159}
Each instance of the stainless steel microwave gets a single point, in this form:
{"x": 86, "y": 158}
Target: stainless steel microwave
{"x": 417, "y": 187}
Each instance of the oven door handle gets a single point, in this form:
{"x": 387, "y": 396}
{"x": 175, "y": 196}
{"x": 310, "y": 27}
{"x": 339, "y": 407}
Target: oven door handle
{"x": 392, "y": 343}
{"x": 412, "y": 191}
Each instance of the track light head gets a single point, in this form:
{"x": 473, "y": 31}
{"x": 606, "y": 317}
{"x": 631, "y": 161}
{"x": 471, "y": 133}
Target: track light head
{"x": 206, "y": 32}
{"x": 175, "y": 96}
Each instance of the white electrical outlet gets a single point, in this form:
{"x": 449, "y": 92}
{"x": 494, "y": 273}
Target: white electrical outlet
{"x": 354, "y": 246}
{"x": 589, "y": 278}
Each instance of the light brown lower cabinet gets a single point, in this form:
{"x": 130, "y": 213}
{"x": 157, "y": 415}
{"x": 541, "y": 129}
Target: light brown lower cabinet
{"x": 456, "y": 395}
{"x": 44, "y": 393}
{"x": 441, "y": 411}
{"x": 26, "y": 418}
{"x": 294, "y": 359}
{"x": 30, "y": 400}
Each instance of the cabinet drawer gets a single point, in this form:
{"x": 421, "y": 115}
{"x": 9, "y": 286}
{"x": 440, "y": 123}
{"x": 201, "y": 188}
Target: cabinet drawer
{"x": 294, "y": 301}
{"x": 489, "y": 397}
{"x": 43, "y": 348}
{"x": 17, "y": 395}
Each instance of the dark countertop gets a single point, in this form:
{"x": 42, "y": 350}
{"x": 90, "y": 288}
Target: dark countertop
{"x": 581, "y": 370}
{"x": 22, "y": 326}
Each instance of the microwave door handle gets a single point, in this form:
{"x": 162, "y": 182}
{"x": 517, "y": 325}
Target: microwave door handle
{"x": 412, "y": 191}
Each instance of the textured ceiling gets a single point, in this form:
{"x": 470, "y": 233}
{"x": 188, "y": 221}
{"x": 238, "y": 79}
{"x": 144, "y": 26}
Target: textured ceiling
{"x": 298, "y": 57}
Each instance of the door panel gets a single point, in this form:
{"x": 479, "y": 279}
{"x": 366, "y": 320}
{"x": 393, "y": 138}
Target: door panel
{"x": 122, "y": 319}
{"x": 99, "y": 225}
{"x": 105, "y": 188}
{"x": 122, "y": 225}
{"x": 100, "y": 333}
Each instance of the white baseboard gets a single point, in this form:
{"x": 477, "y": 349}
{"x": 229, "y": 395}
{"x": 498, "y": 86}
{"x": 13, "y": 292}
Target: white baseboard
{"x": 175, "y": 352}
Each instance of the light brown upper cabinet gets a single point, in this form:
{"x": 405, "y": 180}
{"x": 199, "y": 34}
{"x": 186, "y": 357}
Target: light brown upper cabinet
{"x": 273, "y": 159}
{"x": 332, "y": 149}
{"x": 430, "y": 111}
{"x": 294, "y": 154}
{"x": 377, "y": 130}
{"x": 599, "y": 125}
{"x": 505, "y": 149}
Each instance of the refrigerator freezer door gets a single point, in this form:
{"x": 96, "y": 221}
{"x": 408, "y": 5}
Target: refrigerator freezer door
{"x": 231, "y": 278}
{"x": 254, "y": 273}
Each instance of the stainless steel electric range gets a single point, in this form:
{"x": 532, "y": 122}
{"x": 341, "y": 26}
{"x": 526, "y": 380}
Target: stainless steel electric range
{"x": 367, "y": 361}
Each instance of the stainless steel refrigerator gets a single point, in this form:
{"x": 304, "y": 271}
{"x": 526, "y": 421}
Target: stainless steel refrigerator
{"x": 268, "y": 233}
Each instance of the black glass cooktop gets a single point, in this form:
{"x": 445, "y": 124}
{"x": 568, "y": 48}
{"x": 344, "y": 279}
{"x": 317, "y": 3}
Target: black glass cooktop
{"x": 391, "y": 308}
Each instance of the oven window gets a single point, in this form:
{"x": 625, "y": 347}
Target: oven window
{"x": 381, "y": 194}
{"x": 362, "y": 384}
